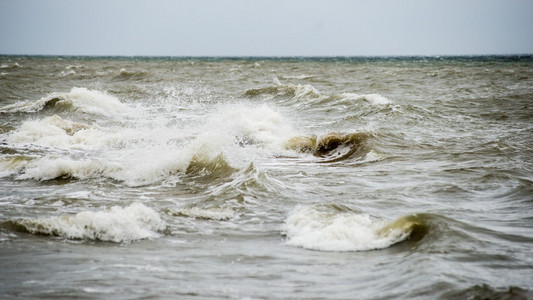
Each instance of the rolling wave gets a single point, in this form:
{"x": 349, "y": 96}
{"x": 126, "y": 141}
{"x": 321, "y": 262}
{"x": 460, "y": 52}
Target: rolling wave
{"x": 328, "y": 228}
{"x": 331, "y": 147}
{"x": 82, "y": 99}
{"x": 116, "y": 224}
{"x": 285, "y": 91}
{"x": 310, "y": 95}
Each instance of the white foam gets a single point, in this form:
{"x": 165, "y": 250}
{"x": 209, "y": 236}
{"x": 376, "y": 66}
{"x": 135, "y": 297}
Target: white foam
{"x": 236, "y": 126}
{"x": 67, "y": 73}
{"x": 373, "y": 156}
{"x": 139, "y": 169}
{"x": 238, "y": 132}
{"x": 48, "y": 168}
{"x": 12, "y": 164}
{"x": 276, "y": 81}
{"x": 306, "y": 90}
{"x": 15, "y": 65}
{"x": 135, "y": 156}
{"x": 148, "y": 148}
{"x": 55, "y": 131}
{"x": 146, "y": 165}
{"x": 316, "y": 228}
{"x": 88, "y": 101}
{"x": 50, "y": 131}
{"x": 95, "y": 102}
{"x": 116, "y": 224}
{"x": 375, "y": 99}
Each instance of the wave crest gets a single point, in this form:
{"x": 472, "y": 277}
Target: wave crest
{"x": 50, "y": 131}
{"x": 11, "y": 164}
{"x": 82, "y": 99}
{"x": 210, "y": 168}
{"x": 309, "y": 95}
{"x": 132, "y": 74}
{"x": 332, "y": 146}
{"x": 53, "y": 168}
{"x": 326, "y": 229}
{"x": 116, "y": 224}
{"x": 375, "y": 99}
{"x": 285, "y": 91}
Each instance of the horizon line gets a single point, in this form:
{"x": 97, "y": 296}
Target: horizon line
{"x": 270, "y": 56}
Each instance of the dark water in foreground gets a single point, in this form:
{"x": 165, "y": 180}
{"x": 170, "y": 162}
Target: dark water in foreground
{"x": 266, "y": 178}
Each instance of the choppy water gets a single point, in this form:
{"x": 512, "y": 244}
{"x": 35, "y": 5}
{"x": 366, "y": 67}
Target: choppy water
{"x": 265, "y": 178}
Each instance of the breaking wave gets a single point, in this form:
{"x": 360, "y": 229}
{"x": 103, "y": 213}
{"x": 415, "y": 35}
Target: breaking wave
{"x": 309, "y": 94}
{"x": 333, "y": 228}
{"x": 374, "y": 99}
{"x": 132, "y": 74}
{"x": 11, "y": 164}
{"x": 138, "y": 152}
{"x": 285, "y": 91}
{"x": 82, "y": 99}
{"x": 332, "y": 146}
{"x": 51, "y": 131}
{"x": 116, "y": 224}
{"x": 49, "y": 168}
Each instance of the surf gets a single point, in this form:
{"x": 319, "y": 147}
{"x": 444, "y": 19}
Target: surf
{"x": 116, "y": 224}
{"x": 336, "y": 228}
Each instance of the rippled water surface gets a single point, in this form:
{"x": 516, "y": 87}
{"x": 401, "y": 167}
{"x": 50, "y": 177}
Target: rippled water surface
{"x": 266, "y": 178}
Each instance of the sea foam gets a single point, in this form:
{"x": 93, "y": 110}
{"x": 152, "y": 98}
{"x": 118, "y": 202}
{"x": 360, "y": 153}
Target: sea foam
{"x": 309, "y": 94}
{"x": 82, "y": 99}
{"x": 138, "y": 153}
{"x": 374, "y": 99}
{"x": 324, "y": 229}
{"x": 116, "y": 224}
{"x": 52, "y": 131}
{"x": 48, "y": 168}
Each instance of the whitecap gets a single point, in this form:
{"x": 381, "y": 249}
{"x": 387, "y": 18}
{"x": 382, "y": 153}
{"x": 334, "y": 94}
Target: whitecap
{"x": 374, "y": 99}
{"x": 48, "y": 168}
{"x": 11, "y": 164}
{"x": 50, "y": 131}
{"x": 237, "y": 126}
{"x": 139, "y": 155}
{"x": 55, "y": 131}
{"x": 320, "y": 228}
{"x": 67, "y": 73}
{"x": 82, "y": 99}
{"x": 298, "y": 92}
{"x": 116, "y": 224}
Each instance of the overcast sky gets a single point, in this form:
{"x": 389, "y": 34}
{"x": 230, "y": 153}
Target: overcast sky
{"x": 266, "y": 28}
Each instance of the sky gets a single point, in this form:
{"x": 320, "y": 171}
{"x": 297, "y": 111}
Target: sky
{"x": 266, "y": 28}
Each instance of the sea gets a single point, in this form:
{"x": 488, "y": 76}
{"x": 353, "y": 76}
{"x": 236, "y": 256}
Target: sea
{"x": 266, "y": 177}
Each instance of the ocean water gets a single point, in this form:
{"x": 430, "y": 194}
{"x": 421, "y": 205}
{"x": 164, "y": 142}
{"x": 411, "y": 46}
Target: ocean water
{"x": 266, "y": 178}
